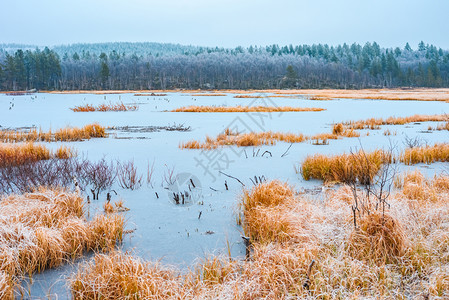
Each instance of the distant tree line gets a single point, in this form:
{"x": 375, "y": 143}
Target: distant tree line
{"x": 167, "y": 66}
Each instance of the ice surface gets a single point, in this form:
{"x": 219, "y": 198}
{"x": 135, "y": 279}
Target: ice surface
{"x": 174, "y": 234}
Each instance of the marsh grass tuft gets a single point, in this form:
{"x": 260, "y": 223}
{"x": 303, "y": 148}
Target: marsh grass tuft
{"x": 19, "y": 154}
{"x": 43, "y": 229}
{"x": 62, "y": 135}
{"x": 105, "y": 107}
{"x": 380, "y": 238}
{"x": 121, "y": 276}
{"x": 345, "y": 168}
{"x": 426, "y": 154}
{"x": 239, "y": 108}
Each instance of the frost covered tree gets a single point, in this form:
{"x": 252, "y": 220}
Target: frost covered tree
{"x": 160, "y": 66}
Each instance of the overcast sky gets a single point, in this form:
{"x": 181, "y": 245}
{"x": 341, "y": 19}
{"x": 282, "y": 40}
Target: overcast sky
{"x": 226, "y": 23}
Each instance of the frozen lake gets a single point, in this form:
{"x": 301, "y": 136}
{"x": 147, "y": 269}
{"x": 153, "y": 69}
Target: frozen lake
{"x": 173, "y": 233}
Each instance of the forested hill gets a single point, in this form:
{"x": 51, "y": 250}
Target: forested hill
{"x": 167, "y": 66}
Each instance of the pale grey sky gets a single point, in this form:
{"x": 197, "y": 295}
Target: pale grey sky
{"x": 226, "y": 23}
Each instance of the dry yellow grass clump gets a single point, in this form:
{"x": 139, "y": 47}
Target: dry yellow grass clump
{"x": 426, "y": 154}
{"x": 320, "y": 254}
{"x": 208, "y": 95}
{"x": 421, "y": 94}
{"x": 347, "y": 129}
{"x": 63, "y": 135}
{"x": 230, "y": 137}
{"x": 374, "y": 123}
{"x": 40, "y": 230}
{"x": 19, "y": 154}
{"x": 151, "y": 95}
{"x": 118, "y": 276}
{"x": 105, "y": 107}
{"x": 444, "y": 126}
{"x": 239, "y": 108}
{"x": 250, "y": 96}
{"x": 362, "y": 167}
{"x": 77, "y": 134}
{"x": 346, "y": 168}
{"x": 263, "y": 211}
{"x": 6, "y": 286}
{"x": 416, "y": 187}
{"x": 379, "y": 237}
{"x": 322, "y": 98}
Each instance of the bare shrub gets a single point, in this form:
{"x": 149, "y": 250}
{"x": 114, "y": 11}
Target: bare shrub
{"x": 49, "y": 173}
{"x": 150, "y": 174}
{"x": 169, "y": 177}
{"x": 101, "y": 175}
{"x": 412, "y": 142}
{"x": 127, "y": 176}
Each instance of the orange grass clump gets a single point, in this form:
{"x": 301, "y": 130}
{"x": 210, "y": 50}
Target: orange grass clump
{"x": 151, "y": 95}
{"x": 105, "y": 107}
{"x": 322, "y": 98}
{"x": 374, "y": 123}
{"x": 230, "y": 137}
{"x": 444, "y": 126}
{"x": 6, "y": 289}
{"x": 239, "y": 108}
{"x": 417, "y": 94}
{"x": 77, "y": 134}
{"x": 107, "y": 231}
{"x": 378, "y": 237}
{"x": 19, "y": 154}
{"x": 249, "y": 96}
{"x": 209, "y": 95}
{"x": 416, "y": 187}
{"x": 115, "y": 207}
{"x": 120, "y": 276}
{"x": 244, "y": 140}
{"x": 421, "y": 94}
{"x": 264, "y": 213}
{"x": 62, "y": 135}
{"x": 346, "y": 168}
{"x": 426, "y": 154}
{"x": 41, "y": 230}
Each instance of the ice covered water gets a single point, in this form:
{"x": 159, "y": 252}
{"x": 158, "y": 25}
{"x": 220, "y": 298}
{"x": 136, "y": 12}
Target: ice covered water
{"x": 179, "y": 234}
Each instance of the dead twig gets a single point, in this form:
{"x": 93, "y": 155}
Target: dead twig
{"x": 232, "y": 177}
{"x": 286, "y": 151}
{"x": 247, "y": 242}
{"x": 271, "y": 155}
{"x": 306, "y": 284}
